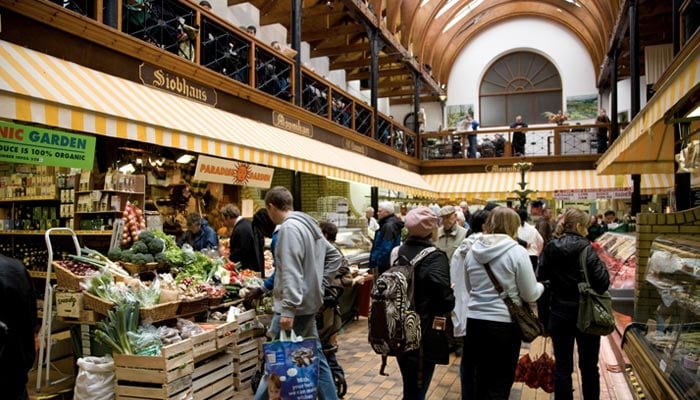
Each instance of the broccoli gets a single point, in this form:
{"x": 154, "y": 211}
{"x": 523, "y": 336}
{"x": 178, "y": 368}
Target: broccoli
{"x": 141, "y": 258}
{"x": 146, "y": 236}
{"x": 161, "y": 258}
{"x": 140, "y": 247}
{"x": 128, "y": 256}
{"x": 115, "y": 254}
{"x": 156, "y": 246}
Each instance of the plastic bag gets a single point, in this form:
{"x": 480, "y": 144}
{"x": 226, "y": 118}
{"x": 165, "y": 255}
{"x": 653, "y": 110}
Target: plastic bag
{"x": 95, "y": 378}
{"x": 291, "y": 364}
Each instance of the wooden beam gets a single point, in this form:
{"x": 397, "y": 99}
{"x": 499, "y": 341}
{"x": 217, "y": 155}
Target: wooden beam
{"x": 348, "y": 29}
{"x": 382, "y": 73}
{"x": 282, "y": 16}
{"x": 339, "y": 50}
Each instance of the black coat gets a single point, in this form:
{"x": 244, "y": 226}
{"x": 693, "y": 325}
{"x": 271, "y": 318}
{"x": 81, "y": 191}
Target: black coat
{"x": 559, "y": 264}
{"x": 18, "y": 312}
{"x": 243, "y": 247}
{"x": 433, "y": 296}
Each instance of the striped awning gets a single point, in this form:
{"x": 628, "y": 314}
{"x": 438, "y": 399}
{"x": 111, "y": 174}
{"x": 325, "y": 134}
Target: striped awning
{"x": 646, "y": 145}
{"x": 38, "y": 88}
{"x": 499, "y": 185}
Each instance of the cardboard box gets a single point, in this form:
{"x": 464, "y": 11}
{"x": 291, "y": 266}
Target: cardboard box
{"x": 69, "y": 304}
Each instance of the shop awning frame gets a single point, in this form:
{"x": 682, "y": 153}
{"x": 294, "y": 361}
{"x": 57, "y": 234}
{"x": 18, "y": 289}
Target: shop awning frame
{"x": 499, "y": 185}
{"x": 647, "y": 144}
{"x": 38, "y": 88}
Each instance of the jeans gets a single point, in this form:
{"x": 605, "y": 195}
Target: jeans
{"x": 409, "y": 366}
{"x": 305, "y": 326}
{"x": 563, "y": 334}
{"x": 472, "y": 146}
{"x": 490, "y": 356}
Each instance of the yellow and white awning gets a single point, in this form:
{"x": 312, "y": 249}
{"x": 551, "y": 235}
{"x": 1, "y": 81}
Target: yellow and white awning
{"x": 646, "y": 145}
{"x": 38, "y": 88}
{"x": 500, "y": 185}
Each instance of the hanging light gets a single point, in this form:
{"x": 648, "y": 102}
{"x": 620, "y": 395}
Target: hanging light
{"x": 185, "y": 159}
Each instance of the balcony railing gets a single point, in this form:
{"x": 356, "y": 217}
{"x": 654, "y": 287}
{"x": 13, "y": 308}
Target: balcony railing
{"x": 183, "y": 28}
{"x": 556, "y": 140}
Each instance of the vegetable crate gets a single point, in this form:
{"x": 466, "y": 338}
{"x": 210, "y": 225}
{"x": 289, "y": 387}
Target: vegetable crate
{"x": 213, "y": 378}
{"x": 65, "y": 279}
{"x": 204, "y": 343}
{"x": 155, "y": 377}
{"x": 246, "y": 360}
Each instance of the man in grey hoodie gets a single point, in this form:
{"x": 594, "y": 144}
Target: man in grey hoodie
{"x": 306, "y": 263}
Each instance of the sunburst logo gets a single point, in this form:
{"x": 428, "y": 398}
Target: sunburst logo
{"x": 241, "y": 174}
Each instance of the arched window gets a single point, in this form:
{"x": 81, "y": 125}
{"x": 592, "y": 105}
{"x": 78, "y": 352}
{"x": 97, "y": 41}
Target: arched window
{"x": 520, "y": 83}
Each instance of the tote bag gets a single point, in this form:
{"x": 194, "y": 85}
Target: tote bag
{"x": 595, "y": 315}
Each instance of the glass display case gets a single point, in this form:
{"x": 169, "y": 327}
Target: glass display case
{"x": 355, "y": 245}
{"x": 617, "y": 251}
{"x": 666, "y": 349}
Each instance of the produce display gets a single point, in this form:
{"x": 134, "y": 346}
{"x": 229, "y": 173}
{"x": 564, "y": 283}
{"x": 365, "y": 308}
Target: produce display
{"x": 134, "y": 222}
{"x": 617, "y": 251}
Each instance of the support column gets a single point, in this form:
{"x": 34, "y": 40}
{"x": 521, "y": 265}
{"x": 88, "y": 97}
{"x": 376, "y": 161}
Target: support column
{"x": 635, "y": 95}
{"x": 296, "y": 45}
{"x": 296, "y": 190}
{"x": 416, "y": 100}
{"x": 614, "y": 125}
{"x": 681, "y": 181}
{"x": 375, "y": 44}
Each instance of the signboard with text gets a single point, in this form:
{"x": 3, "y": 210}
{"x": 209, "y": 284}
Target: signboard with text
{"x": 218, "y": 170}
{"x": 593, "y": 194}
{"x": 42, "y": 146}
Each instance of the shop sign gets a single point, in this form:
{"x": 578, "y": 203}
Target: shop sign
{"x": 231, "y": 172}
{"x": 159, "y": 78}
{"x": 355, "y": 147}
{"x": 293, "y": 125}
{"x": 41, "y": 146}
{"x": 593, "y": 194}
{"x": 497, "y": 168}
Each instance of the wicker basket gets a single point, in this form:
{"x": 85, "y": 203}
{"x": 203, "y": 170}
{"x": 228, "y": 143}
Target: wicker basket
{"x": 193, "y": 306}
{"x": 66, "y": 279}
{"x": 160, "y": 312}
{"x": 100, "y": 306}
{"x": 215, "y": 301}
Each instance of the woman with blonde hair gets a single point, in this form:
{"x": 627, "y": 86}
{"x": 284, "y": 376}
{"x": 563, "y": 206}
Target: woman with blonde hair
{"x": 489, "y": 371}
{"x": 560, "y": 268}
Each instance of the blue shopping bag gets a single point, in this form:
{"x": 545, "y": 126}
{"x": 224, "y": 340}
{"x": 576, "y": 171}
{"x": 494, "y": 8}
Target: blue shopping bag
{"x": 291, "y": 365}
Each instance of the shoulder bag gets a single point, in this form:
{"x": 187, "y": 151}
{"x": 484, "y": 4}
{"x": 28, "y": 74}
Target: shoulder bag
{"x": 530, "y": 327}
{"x": 595, "y": 315}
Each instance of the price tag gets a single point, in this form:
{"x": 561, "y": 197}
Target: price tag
{"x": 662, "y": 365}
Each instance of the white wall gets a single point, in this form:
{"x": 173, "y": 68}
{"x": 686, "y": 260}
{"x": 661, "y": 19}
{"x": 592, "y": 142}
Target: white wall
{"x": 432, "y": 114}
{"x": 273, "y": 33}
{"x": 551, "y": 40}
{"x": 244, "y": 14}
{"x": 624, "y": 88}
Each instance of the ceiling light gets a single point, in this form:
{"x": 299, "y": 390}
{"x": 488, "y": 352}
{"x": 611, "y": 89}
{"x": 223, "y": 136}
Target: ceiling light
{"x": 185, "y": 159}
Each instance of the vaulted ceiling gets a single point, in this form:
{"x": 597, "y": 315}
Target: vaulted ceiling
{"x": 429, "y": 35}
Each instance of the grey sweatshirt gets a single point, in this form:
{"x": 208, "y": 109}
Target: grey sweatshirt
{"x": 511, "y": 265}
{"x": 306, "y": 261}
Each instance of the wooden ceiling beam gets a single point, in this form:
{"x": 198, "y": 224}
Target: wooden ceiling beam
{"x": 339, "y": 50}
{"x": 382, "y": 73}
{"x": 348, "y": 29}
{"x": 282, "y": 15}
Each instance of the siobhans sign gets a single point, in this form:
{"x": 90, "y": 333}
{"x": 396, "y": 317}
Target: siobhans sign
{"x": 35, "y": 145}
{"x": 210, "y": 169}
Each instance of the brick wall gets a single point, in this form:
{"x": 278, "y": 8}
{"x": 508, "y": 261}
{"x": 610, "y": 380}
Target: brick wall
{"x": 314, "y": 186}
{"x": 650, "y": 226}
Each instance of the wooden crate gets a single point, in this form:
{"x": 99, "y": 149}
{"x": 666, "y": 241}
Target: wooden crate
{"x": 246, "y": 349}
{"x": 226, "y": 334}
{"x": 204, "y": 343}
{"x": 246, "y": 321}
{"x": 179, "y": 389}
{"x": 246, "y": 360}
{"x": 155, "y": 377}
{"x": 213, "y": 377}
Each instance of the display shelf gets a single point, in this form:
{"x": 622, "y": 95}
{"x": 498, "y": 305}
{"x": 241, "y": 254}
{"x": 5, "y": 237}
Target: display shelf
{"x": 41, "y": 233}
{"x": 40, "y": 274}
{"x": 28, "y": 198}
{"x": 617, "y": 251}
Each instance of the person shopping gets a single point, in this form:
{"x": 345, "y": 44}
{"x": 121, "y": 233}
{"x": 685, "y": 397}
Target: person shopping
{"x": 434, "y": 300}
{"x": 559, "y": 265}
{"x": 492, "y": 343}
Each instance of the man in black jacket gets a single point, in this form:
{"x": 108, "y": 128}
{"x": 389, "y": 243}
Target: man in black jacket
{"x": 18, "y": 314}
{"x": 242, "y": 247}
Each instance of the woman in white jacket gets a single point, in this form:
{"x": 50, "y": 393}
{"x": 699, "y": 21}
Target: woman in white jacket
{"x": 492, "y": 342}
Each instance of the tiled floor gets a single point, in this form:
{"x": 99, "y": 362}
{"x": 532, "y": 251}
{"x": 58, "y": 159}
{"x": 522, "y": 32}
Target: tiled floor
{"x": 361, "y": 367}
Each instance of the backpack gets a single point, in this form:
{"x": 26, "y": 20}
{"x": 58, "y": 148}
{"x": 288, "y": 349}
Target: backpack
{"x": 394, "y": 325}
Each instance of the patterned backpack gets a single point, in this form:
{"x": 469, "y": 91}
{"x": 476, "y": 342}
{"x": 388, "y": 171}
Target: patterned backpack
{"x": 394, "y": 325}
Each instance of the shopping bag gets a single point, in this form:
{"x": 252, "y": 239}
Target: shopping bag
{"x": 291, "y": 364}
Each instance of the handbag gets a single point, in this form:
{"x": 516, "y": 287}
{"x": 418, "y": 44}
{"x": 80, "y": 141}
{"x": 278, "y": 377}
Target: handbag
{"x": 595, "y": 315}
{"x": 291, "y": 365}
{"x": 528, "y": 324}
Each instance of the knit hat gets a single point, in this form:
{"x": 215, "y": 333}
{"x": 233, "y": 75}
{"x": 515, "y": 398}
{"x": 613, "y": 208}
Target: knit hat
{"x": 420, "y": 221}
